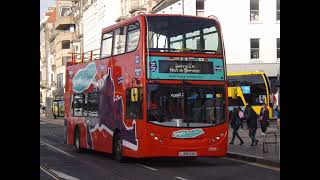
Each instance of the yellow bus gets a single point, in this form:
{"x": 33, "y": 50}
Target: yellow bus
{"x": 249, "y": 87}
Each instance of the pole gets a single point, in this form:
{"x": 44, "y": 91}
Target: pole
{"x": 82, "y": 58}
{"x": 182, "y": 7}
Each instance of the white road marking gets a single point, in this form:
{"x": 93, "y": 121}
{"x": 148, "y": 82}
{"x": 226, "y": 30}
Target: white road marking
{"x": 265, "y": 166}
{"x": 52, "y": 122}
{"x": 63, "y": 175}
{"x": 181, "y": 178}
{"x": 254, "y": 164}
{"x": 48, "y": 173}
{"x": 56, "y": 149}
{"x": 54, "y": 135}
{"x": 146, "y": 167}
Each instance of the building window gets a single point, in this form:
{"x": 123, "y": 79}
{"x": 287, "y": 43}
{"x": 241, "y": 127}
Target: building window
{"x": 106, "y": 45}
{"x": 65, "y": 11}
{"x": 119, "y": 40}
{"x": 200, "y": 7}
{"x": 65, "y": 44}
{"x": 133, "y": 37}
{"x": 60, "y": 81}
{"x": 278, "y": 10}
{"x": 254, "y": 46}
{"x": 254, "y": 10}
{"x": 278, "y": 48}
{"x": 65, "y": 59}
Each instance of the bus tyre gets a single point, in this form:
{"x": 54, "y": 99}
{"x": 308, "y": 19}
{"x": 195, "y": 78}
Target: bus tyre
{"x": 117, "y": 148}
{"x": 77, "y": 140}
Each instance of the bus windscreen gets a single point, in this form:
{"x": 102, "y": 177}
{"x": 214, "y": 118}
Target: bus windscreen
{"x": 254, "y": 86}
{"x": 187, "y": 106}
{"x": 183, "y": 34}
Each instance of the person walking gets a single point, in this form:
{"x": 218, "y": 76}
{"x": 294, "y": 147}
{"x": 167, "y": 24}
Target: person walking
{"x": 278, "y": 119}
{"x": 264, "y": 119}
{"x": 235, "y": 124}
{"x": 251, "y": 118}
{"x": 241, "y": 116}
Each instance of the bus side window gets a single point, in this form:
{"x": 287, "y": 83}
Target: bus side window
{"x": 119, "y": 40}
{"x": 93, "y": 104}
{"x": 106, "y": 44}
{"x": 134, "y": 103}
{"x": 85, "y": 105}
{"x": 78, "y": 103}
{"x": 133, "y": 37}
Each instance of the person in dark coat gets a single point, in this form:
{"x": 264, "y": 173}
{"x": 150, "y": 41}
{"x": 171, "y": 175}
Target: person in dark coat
{"x": 241, "y": 116}
{"x": 251, "y": 117}
{"x": 235, "y": 124}
{"x": 264, "y": 119}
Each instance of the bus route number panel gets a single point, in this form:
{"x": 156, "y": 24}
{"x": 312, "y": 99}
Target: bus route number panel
{"x": 185, "y": 68}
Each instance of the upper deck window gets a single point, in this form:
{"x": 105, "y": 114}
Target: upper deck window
{"x": 119, "y": 40}
{"x": 106, "y": 45}
{"x": 133, "y": 37}
{"x": 183, "y": 34}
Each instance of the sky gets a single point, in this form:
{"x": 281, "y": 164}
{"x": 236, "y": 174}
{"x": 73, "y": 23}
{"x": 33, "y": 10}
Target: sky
{"x": 44, "y": 4}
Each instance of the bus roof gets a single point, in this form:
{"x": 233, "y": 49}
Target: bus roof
{"x": 129, "y": 20}
{"x": 244, "y": 73}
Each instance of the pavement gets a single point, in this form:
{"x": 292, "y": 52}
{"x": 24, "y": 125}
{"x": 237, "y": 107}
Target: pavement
{"x": 269, "y": 156}
{"x": 254, "y": 154}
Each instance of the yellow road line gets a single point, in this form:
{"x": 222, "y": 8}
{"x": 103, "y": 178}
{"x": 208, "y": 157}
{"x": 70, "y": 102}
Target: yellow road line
{"x": 254, "y": 164}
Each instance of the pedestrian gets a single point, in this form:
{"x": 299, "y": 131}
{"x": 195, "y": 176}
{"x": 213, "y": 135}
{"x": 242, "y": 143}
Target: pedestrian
{"x": 235, "y": 124}
{"x": 264, "y": 119}
{"x": 251, "y": 118}
{"x": 278, "y": 119}
{"x": 241, "y": 116}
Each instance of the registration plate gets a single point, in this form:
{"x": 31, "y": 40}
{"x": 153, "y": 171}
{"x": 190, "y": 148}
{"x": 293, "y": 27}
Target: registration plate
{"x": 188, "y": 153}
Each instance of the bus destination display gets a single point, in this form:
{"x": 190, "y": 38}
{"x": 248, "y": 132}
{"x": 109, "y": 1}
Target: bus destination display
{"x": 186, "y": 67}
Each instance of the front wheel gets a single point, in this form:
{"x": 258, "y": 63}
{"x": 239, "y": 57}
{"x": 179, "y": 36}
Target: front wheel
{"x": 117, "y": 148}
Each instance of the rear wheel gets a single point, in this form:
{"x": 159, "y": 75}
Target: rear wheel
{"x": 117, "y": 148}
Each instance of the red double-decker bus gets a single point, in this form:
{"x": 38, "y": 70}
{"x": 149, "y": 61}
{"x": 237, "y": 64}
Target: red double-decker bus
{"x": 158, "y": 89}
